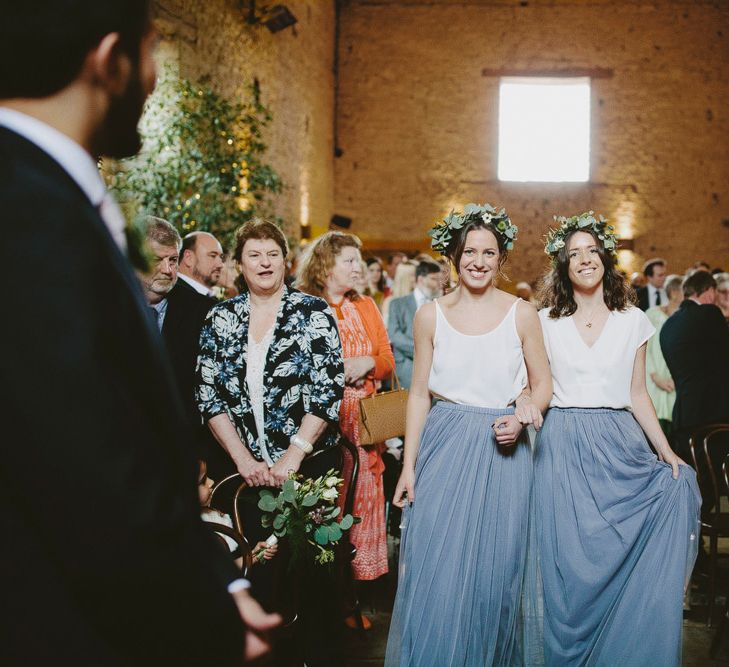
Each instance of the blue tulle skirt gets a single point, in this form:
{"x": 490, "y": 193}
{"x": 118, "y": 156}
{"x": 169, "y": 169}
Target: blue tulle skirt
{"x": 462, "y": 597}
{"x": 618, "y": 538}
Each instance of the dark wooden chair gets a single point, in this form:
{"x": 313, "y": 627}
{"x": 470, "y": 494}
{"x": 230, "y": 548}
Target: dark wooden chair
{"x": 244, "y": 548}
{"x": 706, "y": 451}
{"x": 233, "y": 487}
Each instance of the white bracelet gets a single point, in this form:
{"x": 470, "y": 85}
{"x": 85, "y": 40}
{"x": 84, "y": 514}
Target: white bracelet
{"x": 304, "y": 445}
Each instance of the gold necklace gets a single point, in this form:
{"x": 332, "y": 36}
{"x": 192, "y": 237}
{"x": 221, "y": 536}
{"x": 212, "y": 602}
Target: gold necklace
{"x": 588, "y": 320}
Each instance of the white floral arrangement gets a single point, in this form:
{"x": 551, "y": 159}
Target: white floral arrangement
{"x": 583, "y": 222}
{"x": 442, "y": 233}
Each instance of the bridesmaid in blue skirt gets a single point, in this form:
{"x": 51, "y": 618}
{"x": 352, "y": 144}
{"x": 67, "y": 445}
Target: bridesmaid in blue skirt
{"x": 460, "y": 599}
{"x": 617, "y": 526}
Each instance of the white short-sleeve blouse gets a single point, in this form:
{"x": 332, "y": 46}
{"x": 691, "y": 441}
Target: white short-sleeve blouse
{"x": 599, "y": 376}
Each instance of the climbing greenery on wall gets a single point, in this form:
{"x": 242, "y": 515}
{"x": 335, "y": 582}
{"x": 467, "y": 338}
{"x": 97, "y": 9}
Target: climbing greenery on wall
{"x": 201, "y": 166}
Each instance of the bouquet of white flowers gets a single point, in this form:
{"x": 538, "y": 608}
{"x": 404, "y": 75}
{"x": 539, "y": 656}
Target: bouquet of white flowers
{"x": 306, "y": 513}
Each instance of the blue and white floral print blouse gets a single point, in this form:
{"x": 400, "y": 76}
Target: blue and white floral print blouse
{"x": 304, "y": 372}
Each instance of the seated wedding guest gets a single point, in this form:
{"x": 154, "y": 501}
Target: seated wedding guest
{"x": 659, "y": 383}
{"x": 722, "y": 294}
{"x": 376, "y": 282}
{"x": 201, "y": 262}
{"x": 403, "y": 284}
{"x": 653, "y": 293}
{"x": 205, "y": 491}
{"x": 402, "y": 312}
{"x": 695, "y": 344}
{"x": 92, "y": 416}
{"x": 328, "y": 269}
{"x": 269, "y": 385}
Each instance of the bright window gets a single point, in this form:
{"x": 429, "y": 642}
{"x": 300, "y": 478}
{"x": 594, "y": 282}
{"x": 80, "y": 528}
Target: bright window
{"x": 544, "y": 129}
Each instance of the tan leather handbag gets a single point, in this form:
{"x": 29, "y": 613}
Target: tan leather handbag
{"x": 382, "y": 415}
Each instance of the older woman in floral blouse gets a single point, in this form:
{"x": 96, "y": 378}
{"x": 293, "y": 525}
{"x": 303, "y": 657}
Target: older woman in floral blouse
{"x": 270, "y": 384}
{"x": 270, "y": 371}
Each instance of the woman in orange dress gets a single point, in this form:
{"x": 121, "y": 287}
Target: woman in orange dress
{"x": 330, "y": 269}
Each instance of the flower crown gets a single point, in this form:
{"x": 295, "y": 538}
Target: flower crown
{"x": 582, "y": 222}
{"x": 442, "y": 233}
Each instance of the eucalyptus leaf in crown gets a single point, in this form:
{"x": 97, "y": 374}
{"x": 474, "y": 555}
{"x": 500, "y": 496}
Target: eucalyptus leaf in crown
{"x": 441, "y": 234}
{"x": 582, "y": 222}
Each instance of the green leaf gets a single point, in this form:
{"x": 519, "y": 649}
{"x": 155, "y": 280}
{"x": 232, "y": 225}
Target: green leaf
{"x": 346, "y": 522}
{"x": 335, "y": 532}
{"x": 267, "y": 503}
{"x": 279, "y": 522}
{"x": 288, "y": 495}
{"x": 321, "y": 535}
{"x": 310, "y": 499}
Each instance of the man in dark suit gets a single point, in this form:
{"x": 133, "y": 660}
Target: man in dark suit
{"x": 695, "y": 344}
{"x": 401, "y": 314}
{"x": 179, "y": 311}
{"x": 653, "y": 294}
{"x": 105, "y": 560}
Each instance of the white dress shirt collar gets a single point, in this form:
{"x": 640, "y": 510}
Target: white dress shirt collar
{"x": 420, "y": 297}
{"x": 652, "y": 289}
{"x": 74, "y": 160}
{"x": 198, "y": 287}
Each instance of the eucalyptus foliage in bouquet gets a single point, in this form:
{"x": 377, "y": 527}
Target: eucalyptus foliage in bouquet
{"x": 306, "y": 513}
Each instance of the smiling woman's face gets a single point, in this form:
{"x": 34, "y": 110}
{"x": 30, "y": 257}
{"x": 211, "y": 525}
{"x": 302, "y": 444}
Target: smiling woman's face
{"x": 585, "y": 265}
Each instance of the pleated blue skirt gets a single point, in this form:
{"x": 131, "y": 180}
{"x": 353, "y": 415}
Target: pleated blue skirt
{"x": 464, "y": 547}
{"x": 618, "y": 538}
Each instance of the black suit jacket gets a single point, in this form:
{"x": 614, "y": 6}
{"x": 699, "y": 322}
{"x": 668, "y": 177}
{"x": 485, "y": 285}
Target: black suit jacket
{"x": 105, "y": 560}
{"x": 186, "y": 311}
{"x": 695, "y": 344}
{"x": 642, "y": 294}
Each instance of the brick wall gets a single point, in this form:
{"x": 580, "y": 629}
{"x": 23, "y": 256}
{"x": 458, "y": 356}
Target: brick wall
{"x": 418, "y": 119}
{"x": 294, "y": 68}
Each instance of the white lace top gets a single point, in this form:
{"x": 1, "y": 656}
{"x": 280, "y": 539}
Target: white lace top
{"x": 255, "y": 365}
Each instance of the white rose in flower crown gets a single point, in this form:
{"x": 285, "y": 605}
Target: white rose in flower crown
{"x": 330, "y": 494}
{"x": 331, "y": 482}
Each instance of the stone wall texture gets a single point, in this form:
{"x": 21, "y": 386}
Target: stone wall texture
{"x": 417, "y": 119}
{"x": 295, "y": 71}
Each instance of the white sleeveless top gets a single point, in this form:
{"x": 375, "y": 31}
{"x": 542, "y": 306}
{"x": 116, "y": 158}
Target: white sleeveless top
{"x": 486, "y": 371}
{"x": 599, "y": 376}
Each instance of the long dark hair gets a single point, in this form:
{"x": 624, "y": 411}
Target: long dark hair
{"x": 381, "y": 284}
{"x": 556, "y": 291}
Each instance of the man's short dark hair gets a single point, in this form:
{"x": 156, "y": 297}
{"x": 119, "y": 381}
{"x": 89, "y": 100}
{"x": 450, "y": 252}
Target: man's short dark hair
{"x": 697, "y": 283}
{"x": 43, "y": 43}
{"x": 189, "y": 242}
{"x": 425, "y": 268}
{"x": 652, "y": 264}
{"x": 397, "y": 253}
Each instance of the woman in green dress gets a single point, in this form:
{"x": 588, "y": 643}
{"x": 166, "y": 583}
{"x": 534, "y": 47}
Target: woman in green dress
{"x": 658, "y": 379}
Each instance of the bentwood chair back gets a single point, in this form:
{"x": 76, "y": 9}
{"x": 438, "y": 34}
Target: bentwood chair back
{"x": 708, "y": 450}
{"x": 244, "y": 548}
{"x": 718, "y": 635}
